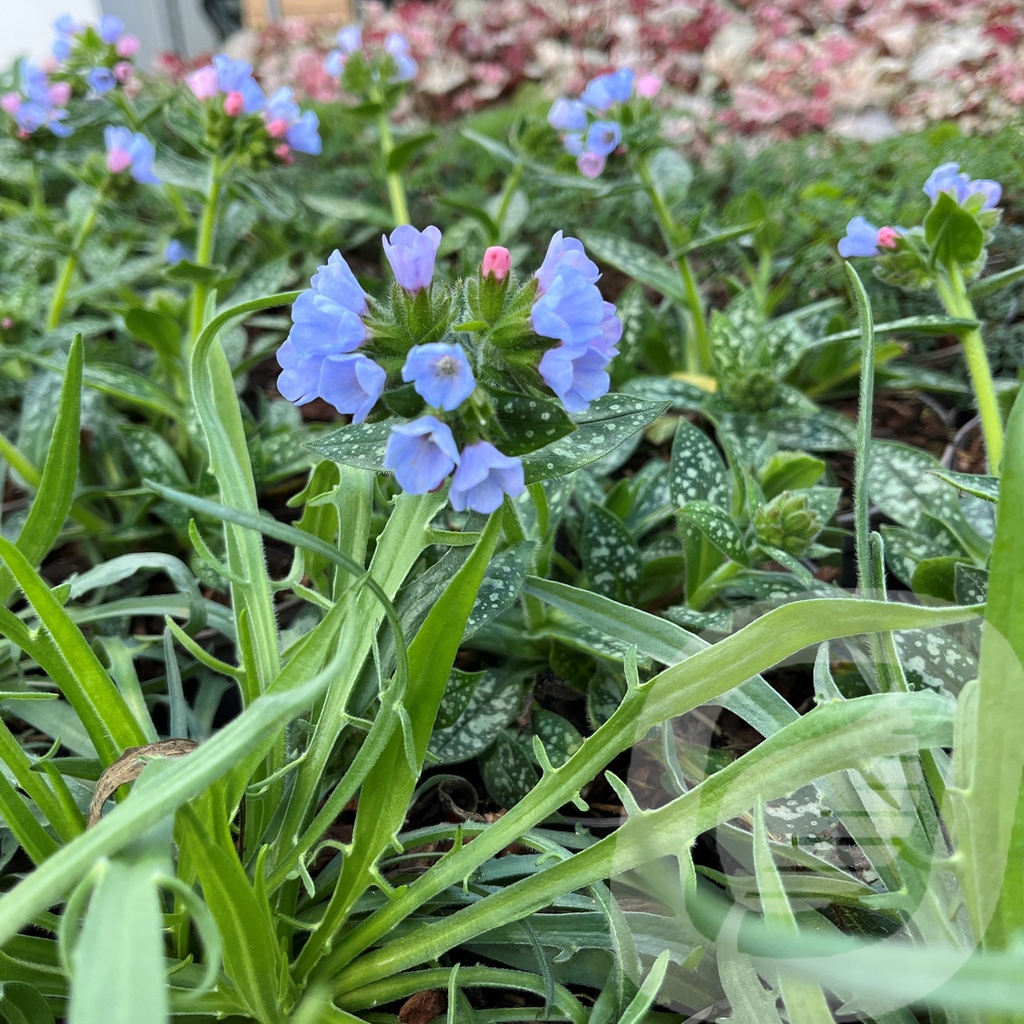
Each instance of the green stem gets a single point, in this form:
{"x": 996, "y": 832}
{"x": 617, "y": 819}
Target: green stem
{"x": 60, "y": 292}
{"x": 713, "y": 584}
{"x": 669, "y": 232}
{"x": 204, "y": 245}
{"x": 36, "y": 198}
{"x": 953, "y": 293}
{"x": 396, "y": 189}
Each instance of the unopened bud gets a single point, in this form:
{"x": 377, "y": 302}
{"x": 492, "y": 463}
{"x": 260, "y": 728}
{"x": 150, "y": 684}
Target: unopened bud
{"x": 123, "y": 71}
{"x": 496, "y": 263}
{"x": 277, "y": 128}
{"x": 203, "y": 83}
{"x": 118, "y": 160}
{"x": 234, "y": 104}
{"x": 887, "y": 238}
{"x": 648, "y": 86}
{"x": 788, "y": 522}
{"x": 284, "y": 153}
{"x": 60, "y": 93}
{"x": 10, "y": 102}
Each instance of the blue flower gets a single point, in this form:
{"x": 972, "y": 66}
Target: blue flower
{"x": 67, "y": 28}
{"x": 421, "y": 453}
{"x": 411, "y": 254}
{"x": 564, "y": 252}
{"x": 284, "y": 119}
{"x": 572, "y": 143}
{"x": 611, "y": 331}
{"x": 176, "y": 252}
{"x": 576, "y": 375}
{"x": 350, "y": 39}
{"x": 567, "y": 115}
{"x": 111, "y": 29}
{"x": 405, "y": 65}
{"x": 604, "y": 91}
{"x": 299, "y": 380}
{"x": 571, "y": 310}
{"x": 440, "y": 373}
{"x": 864, "y": 239}
{"x": 235, "y": 76}
{"x": 603, "y": 137}
{"x": 947, "y": 178}
{"x": 352, "y": 384}
{"x": 327, "y": 317}
{"x": 101, "y": 80}
{"x": 484, "y": 477}
{"x": 304, "y": 134}
{"x": 127, "y": 151}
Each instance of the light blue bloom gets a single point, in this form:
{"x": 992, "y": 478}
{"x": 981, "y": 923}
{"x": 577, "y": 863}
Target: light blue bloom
{"x": 66, "y": 28}
{"x": 421, "y": 453}
{"x": 948, "y": 178}
{"x": 564, "y": 252}
{"x": 35, "y": 84}
{"x": 572, "y": 143}
{"x": 352, "y": 384}
{"x": 350, "y": 39}
{"x": 484, "y": 477}
{"x": 235, "y": 76}
{"x": 611, "y": 332}
{"x": 101, "y": 80}
{"x": 567, "y": 115}
{"x": 411, "y": 254}
{"x": 620, "y": 85}
{"x": 30, "y": 117}
{"x": 571, "y": 310}
{"x": 576, "y": 375}
{"x": 304, "y": 135}
{"x": 864, "y": 239}
{"x": 405, "y": 65}
{"x": 130, "y": 152}
{"x": 602, "y": 92}
{"x": 603, "y": 137}
{"x": 440, "y": 373}
{"x": 176, "y": 252}
{"x": 327, "y": 317}
{"x": 111, "y": 29}
{"x": 299, "y": 380}
{"x": 300, "y": 130}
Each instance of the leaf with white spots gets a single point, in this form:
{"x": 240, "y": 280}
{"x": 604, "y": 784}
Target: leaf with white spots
{"x": 681, "y": 394}
{"x": 495, "y": 701}
{"x": 526, "y": 423}
{"x": 902, "y": 482}
{"x": 970, "y": 584}
{"x": 561, "y": 738}
{"x": 905, "y": 549}
{"x": 716, "y": 524}
{"x": 359, "y": 444}
{"x": 936, "y": 659}
{"x": 986, "y": 487}
{"x": 507, "y": 770}
{"x": 696, "y": 472}
{"x": 644, "y": 266}
{"x": 501, "y": 585}
{"x": 610, "y": 555}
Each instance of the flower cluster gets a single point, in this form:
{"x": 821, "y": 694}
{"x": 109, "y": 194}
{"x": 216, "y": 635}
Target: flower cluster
{"x": 38, "y": 103}
{"x": 397, "y": 63}
{"x": 444, "y": 382}
{"x": 131, "y": 152}
{"x": 592, "y": 126}
{"x": 234, "y": 102}
{"x": 94, "y": 60}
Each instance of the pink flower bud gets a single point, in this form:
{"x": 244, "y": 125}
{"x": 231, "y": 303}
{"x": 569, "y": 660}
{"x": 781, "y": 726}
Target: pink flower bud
{"x": 590, "y": 164}
{"x": 284, "y": 153}
{"x": 10, "y": 102}
{"x": 277, "y": 128}
{"x": 60, "y": 93}
{"x": 7, "y": 323}
{"x": 123, "y": 71}
{"x": 496, "y": 263}
{"x": 118, "y": 160}
{"x": 887, "y": 238}
{"x": 234, "y": 104}
{"x": 128, "y": 46}
{"x": 204, "y": 83}
{"x": 648, "y": 86}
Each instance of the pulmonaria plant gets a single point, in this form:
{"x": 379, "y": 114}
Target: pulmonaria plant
{"x": 38, "y": 103}
{"x": 376, "y": 75}
{"x": 243, "y": 124}
{"x": 459, "y": 378}
{"x": 130, "y": 152}
{"x": 614, "y": 109}
{"x": 92, "y": 60}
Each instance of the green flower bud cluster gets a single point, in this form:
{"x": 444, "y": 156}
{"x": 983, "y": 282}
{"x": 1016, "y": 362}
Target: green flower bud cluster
{"x": 787, "y": 522}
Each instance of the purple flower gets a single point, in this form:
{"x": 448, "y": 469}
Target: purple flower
{"x": 604, "y": 91}
{"x": 567, "y": 115}
{"x": 948, "y": 178}
{"x": 484, "y": 477}
{"x": 611, "y": 331}
{"x": 101, "y": 80}
{"x": 111, "y": 29}
{"x": 126, "y": 151}
{"x": 405, "y": 65}
{"x": 590, "y": 165}
{"x": 411, "y": 254}
{"x": 864, "y": 239}
{"x": 284, "y": 119}
{"x": 576, "y": 375}
{"x": 571, "y": 310}
{"x": 327, "y": 318}
{"x": 564, "y": 252}
{"x": 440, "y": 373}
{"x": 421, "y": 453}
{"x": 234, "y": 78}
{"x": 603, "y": 137}
{"x": 352, "y": 384}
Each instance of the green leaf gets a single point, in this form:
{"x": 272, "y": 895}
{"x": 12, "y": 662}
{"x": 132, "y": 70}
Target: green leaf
{"x": 610, "y": 556}
{"x": 996, "y": 282}
{"x": 672, "y": 175}
{"x": 985, "y": 487}
{"x": 158, "y": 330}
{"x": 194, "y": 273}
{"x": 399, "y": 157}
{"x": 529, "y": 422}
{"x": 495, "y": 148}
{"x": 954, "y": 235}
{"x": 601, "y": 429}
{"x": 788, "y": 471}
{"x": 457, "y": 695}
{"x": 970, "y": 584}
{"x": 636, "y": 261}
{"x": 934, "y": 577}
{"x": 343, "y": 208}
{"x": 133, "y": 389}
{"x": 507, "y": 771}
{"x": 696, "y": 471}
{"x": 717, "y": 525}
{"x": 359, "y": 444}
{"x": 501, "y": 585}
{"x": 494, "y": 701}
{"x": 561, "y": 738}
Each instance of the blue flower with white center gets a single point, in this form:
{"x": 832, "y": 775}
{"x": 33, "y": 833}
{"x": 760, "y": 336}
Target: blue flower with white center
{"x": 421, "y": 454}
{"x": 484, "y": 477}
{"x": 411, "y": 254}
{"x": 567, "y": 252}
{"x": 440, "y": 373}
{"x": 603, "y": 137}
{"x": 352, "y": 384}
{"x": 949, "y": 178}
{"x": 567, "y": 115}
{"x": 576, "y": 375}
{"x": 571, "y": 310}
